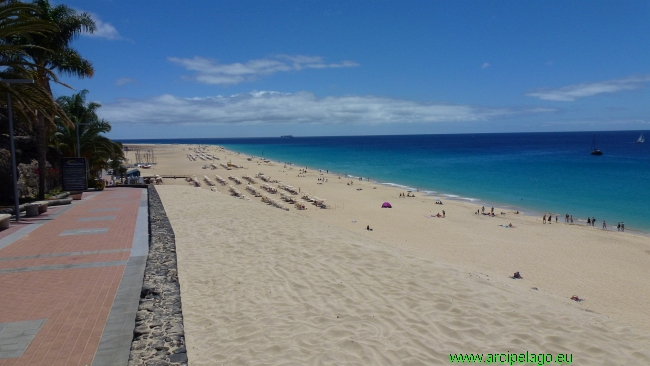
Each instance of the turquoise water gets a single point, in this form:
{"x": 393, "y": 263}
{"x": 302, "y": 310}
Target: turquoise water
{"x": 535, "y": 172}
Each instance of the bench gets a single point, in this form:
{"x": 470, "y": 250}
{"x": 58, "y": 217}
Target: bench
{"x": 4, "y": 221}
{"x": 42, "y": 206}
{"x": 31, "y": 209}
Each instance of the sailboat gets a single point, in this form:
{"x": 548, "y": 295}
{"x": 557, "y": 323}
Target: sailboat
{"x": 640, "y": 140}
{"x": 595, "y": 151}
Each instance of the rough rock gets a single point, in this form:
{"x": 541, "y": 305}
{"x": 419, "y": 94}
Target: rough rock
{"x": 159, "y": 338}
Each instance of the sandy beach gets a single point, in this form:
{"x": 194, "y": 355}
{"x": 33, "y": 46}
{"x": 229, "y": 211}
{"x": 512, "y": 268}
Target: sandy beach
{"x": 262, "y": 285}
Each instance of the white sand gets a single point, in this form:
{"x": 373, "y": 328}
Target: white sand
{"x": 264, "y": 286}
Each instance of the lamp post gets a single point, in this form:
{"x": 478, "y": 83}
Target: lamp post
{"x": 11, "y": 141}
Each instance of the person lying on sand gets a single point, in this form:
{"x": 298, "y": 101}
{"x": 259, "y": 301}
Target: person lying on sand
{"x": 576, "y": 298}
{"x": 517, "y": 276}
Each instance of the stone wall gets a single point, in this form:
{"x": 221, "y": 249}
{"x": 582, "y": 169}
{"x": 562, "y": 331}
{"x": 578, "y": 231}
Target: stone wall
{"x": 158, "y": 337}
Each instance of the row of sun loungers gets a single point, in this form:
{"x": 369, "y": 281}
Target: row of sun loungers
{"x": 249, "y": 179}
{"x": 274, "y": 202}
{"x": 208, "y": 181}
{"x": 193, "y": 181}
{"x": 234, "y": 191}
{"x": 221, "y": 180}
{"x": 318, "y": 202}
{"x": 287, "y": 198}
{"x": 288, "y": 188}
{"x": 264, "y": 177}
{"x": 234, "y": 179}
{"x": 269, "y": 188}
{"x": 253, "y": 191}
{"x": 202, "y": 154}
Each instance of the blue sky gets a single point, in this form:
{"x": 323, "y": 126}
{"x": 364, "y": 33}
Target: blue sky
{"x": 171, "y": 69}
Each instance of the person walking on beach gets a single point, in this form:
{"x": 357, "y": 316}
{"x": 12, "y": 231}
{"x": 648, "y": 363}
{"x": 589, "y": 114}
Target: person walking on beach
{"x": 483, "y": 209}
{"x": 556, "y": 219}
{"x": 622, "y": 226}
{"x": 544, "y": 220}
{"x": 618, "y": 227}
{"x": 492, "y": 210}
{"x": 593, "y": 221}
{"x": 604, "y": 225}
{"x": 571, "y": 219}
{"x": 588, "y": 221}
{"x": 443, "y": 214}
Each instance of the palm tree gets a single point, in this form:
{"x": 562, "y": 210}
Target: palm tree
{"x": 18, "y": 21}
{"x": 79, "y": 112}
{"x": 50, "y": 53}
{"x": 95, "y": 147}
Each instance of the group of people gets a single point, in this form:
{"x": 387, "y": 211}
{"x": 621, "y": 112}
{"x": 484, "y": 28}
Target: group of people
{"x": 491, "y": 213}
{"x": 591, "y": 221}
{"x": 550, "y": 219}
{"x": 407, "y": 194}
{"x": 568, "y": 219}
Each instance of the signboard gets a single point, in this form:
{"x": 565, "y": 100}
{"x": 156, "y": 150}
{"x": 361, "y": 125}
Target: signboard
{"x": 73, "y": 171}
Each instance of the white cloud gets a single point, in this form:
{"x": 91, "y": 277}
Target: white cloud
{"x": 210, "y": 71}
{"x": 104, "y": 30}
{"x": 124, "y": 81}
{"x": 298, "y": 108}
{"x": 485, "y": 65}
{"x": 572, "y": 92}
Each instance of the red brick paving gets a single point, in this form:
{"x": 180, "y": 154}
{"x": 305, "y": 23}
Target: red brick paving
{"x": 74, "y": 302}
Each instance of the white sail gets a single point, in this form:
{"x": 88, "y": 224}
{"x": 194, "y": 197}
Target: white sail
{"x": 641, "y": 139}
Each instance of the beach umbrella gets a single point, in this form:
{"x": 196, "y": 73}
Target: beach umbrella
{"x": 386, "y": 205}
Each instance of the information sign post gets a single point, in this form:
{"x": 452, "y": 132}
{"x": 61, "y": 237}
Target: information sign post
{"x": 73, "y": 171}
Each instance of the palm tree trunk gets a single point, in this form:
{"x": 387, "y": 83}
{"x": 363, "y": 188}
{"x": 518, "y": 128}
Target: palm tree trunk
{"x": 41, "y": 142}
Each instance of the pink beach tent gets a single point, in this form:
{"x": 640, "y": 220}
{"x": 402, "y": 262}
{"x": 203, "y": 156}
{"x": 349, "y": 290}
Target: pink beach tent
{"x": 386, "y": 205}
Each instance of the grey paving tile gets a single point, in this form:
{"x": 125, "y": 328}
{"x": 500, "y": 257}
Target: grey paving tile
{"x": 16, "y": 336}
{"x": 105, "y": 209}
{"x": 91, "y": 231}
{"x": 11, "y": 354}
{"x": 62, "y": 266}
{"x": 96, "y": 218}
{"x": 12, "y": 347}
{"x": 68, "y": 254}
{"x": 11, "y": 238}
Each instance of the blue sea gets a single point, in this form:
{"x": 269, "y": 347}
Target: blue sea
{"x": 533, "y": 172}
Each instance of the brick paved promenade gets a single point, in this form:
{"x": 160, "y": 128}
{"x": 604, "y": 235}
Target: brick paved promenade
{"x": 70, "y": 281}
